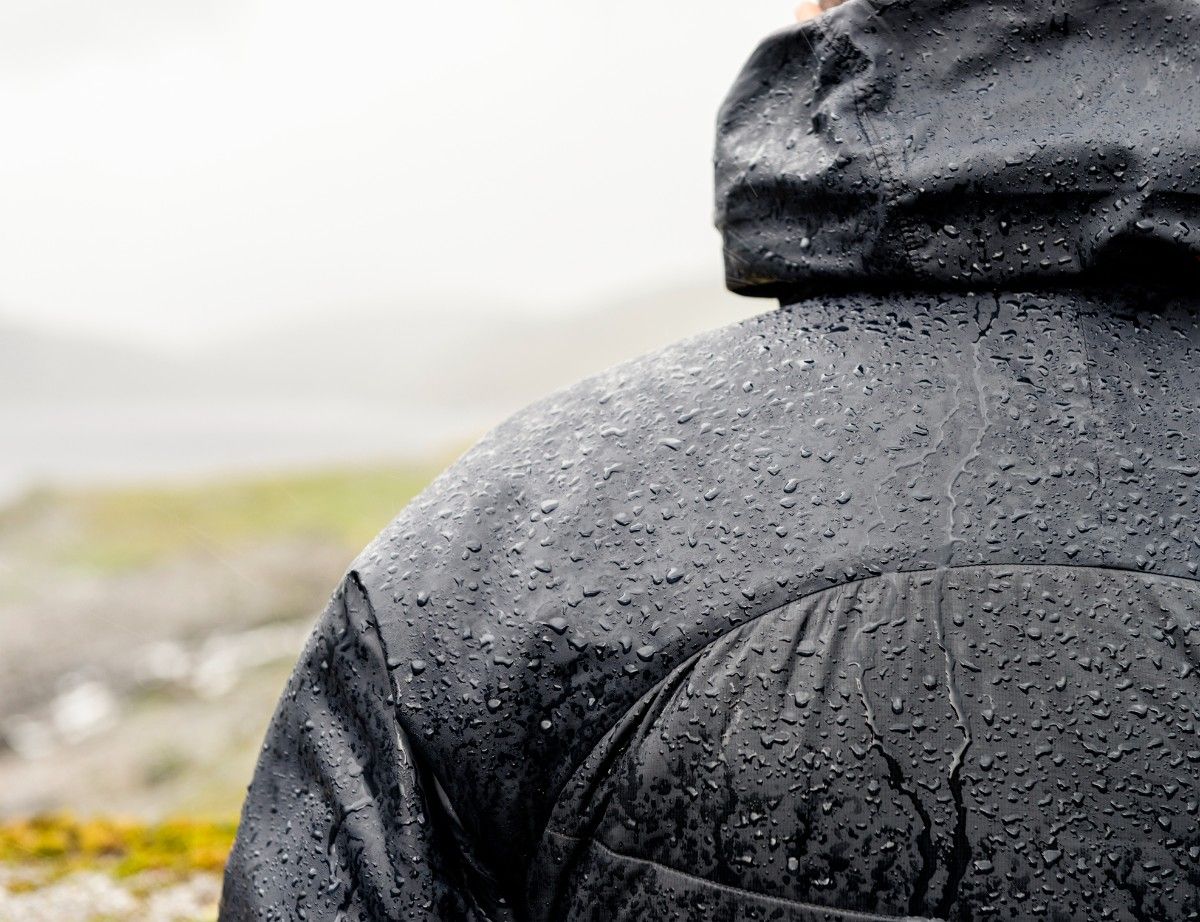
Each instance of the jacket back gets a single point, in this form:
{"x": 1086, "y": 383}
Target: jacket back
{"x": 880, "y": 605}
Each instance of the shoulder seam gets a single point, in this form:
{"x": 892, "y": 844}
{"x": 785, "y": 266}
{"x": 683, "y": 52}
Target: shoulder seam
{"x": 827, "y": 912}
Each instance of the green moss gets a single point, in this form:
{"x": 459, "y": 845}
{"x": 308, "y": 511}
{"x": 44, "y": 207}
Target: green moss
{"x": 124, "y": 848}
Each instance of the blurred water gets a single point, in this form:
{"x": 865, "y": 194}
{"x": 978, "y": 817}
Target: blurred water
{"x": 367, "y": 384}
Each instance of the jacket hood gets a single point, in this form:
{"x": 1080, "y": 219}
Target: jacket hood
{"x": 965, "y": 144}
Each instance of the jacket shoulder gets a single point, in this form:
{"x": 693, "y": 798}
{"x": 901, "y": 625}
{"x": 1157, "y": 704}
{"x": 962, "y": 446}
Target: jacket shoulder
{"x": 522, "y": 599}
{"x": 588, "y": 441}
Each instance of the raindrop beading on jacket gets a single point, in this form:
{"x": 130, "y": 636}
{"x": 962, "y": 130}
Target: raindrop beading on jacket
{"x": 880, "y": 605}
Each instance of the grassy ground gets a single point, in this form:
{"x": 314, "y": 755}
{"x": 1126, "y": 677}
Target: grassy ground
{"x": 126, "y": 529}
{"x": 58, "y": 868}
{"x": 64, "y": 844}
{"x": 95, "y": 584}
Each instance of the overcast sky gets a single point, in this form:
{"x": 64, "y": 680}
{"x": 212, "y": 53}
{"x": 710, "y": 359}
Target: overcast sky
{"x": 180, "y": 169}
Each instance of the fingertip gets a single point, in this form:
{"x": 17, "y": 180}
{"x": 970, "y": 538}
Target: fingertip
{"x": 806, "y": 11}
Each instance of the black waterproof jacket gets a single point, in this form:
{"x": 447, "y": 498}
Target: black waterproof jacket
{"x": 884, "y": 604}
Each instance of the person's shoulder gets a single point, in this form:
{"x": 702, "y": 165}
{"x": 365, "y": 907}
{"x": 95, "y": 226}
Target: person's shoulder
{"x": 633, "y": 391}
{"x": 588, "y": 441}
{"x": 687, "y": 431}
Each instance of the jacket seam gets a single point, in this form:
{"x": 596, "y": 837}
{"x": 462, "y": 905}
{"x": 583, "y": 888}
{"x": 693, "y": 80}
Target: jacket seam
{"x": 834, "y": 587}
{"x": 423, "y": 773}
{"x": 693, "y": 657}
{"x": 851, "y": 915}
{"x": 1133, "y": 571}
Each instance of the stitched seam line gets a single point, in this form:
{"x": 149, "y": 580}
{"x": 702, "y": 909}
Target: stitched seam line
{"x": 431, "y": 807}
{"x": 850, "y": 915}
{"x": 696, "y": 654}
{"x": 1132, "y": 571}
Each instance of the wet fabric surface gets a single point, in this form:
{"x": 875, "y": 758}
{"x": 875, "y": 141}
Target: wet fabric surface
{"x": 964, "y": 143}
{"x": 878, "y": 605}
{"x": 1002, "y": 738}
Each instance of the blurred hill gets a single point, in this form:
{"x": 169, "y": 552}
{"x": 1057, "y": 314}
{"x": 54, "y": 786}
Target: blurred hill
{"x": 369, "y": 383}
